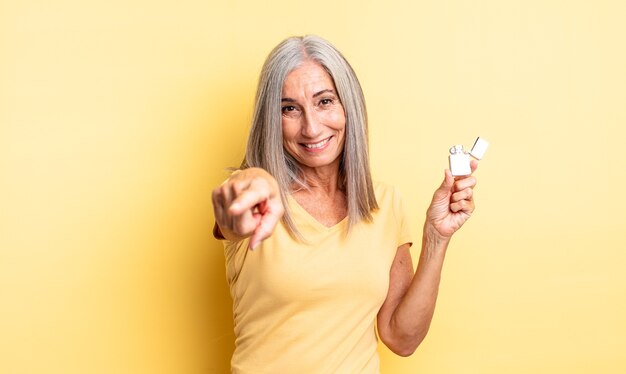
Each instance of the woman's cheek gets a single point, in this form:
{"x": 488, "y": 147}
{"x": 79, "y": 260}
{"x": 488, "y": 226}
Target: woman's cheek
{"x": 337, "y": 118}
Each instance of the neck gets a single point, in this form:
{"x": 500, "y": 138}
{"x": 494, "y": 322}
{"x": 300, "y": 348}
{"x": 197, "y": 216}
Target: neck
{"x": 322, "y": 180}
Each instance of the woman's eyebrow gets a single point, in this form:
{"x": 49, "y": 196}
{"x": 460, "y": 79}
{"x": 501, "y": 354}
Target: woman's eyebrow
{"x": 290, "y": 100}
{"x": 323, "y": 92}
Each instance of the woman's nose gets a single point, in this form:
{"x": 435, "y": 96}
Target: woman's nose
{"x": 311, "y": 126}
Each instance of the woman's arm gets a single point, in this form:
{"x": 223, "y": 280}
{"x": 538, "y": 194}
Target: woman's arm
{"x": 406, "y": 314}
{"x": 404, "y": 318}
{"x": 246, "y": 205}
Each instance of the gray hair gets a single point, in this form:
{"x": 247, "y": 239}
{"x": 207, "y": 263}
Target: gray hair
{"x": 265, "y": 143}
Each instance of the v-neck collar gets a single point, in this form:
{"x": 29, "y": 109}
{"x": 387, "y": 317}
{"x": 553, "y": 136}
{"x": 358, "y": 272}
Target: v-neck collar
{"x": 313, "y": 221}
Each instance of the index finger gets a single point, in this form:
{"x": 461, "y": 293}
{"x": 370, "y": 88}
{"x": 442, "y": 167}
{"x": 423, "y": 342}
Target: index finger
{"x": 265, "y": 228}
{"x": 271, "y": 212}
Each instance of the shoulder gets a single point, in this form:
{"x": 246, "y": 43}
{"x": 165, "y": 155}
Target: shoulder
{"x": 392, "y": 214}
{"x": 389, "y": 199}
{"x": 386, "y": 193}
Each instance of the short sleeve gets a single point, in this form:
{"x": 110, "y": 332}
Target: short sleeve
{"x": 402, "y": 219}
{"x": 235, "y": 255}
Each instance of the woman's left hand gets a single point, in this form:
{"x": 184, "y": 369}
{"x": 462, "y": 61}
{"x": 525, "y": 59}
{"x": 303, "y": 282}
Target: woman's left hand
{"x": 452, "y": 204}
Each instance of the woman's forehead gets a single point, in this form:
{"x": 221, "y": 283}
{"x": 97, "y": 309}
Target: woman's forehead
{"x": 309, "y": 76}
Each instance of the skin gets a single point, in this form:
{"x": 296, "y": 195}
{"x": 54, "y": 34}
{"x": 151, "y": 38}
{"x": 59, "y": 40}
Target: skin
{"x": 248, "y": 204}
{"x": 406, "y": 314}
{"x": 313, "y": 115}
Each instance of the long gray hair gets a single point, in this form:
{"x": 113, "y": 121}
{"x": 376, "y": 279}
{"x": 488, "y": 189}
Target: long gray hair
{"x": 265, "y": 143}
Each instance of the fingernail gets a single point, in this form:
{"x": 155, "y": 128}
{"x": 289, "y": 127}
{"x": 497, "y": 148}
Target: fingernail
{"x": 234, "y": 206}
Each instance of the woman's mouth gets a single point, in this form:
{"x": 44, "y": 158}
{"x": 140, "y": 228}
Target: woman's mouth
{"x": 316, "y": 146}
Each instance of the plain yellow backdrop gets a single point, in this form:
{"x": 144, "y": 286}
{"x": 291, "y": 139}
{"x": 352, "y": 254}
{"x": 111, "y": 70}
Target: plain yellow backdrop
{"x": 117, "y": 118}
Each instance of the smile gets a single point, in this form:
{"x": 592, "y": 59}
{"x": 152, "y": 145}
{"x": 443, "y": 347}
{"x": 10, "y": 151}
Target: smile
{"x": 317, "y": 145}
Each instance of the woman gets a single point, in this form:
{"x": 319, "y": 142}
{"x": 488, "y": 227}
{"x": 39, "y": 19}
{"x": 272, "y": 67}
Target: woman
{"x": 317, "y": 254}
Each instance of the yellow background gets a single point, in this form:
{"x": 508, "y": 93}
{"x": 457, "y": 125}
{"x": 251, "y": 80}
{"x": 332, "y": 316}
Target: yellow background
{"x": 117, "y": 118}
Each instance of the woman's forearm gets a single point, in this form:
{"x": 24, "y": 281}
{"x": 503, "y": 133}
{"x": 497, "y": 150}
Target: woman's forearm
{"x": 411, "y": 319}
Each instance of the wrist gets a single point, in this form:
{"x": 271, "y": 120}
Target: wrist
{"x": 431, "y": 234}
{"x": 433, "y": 243}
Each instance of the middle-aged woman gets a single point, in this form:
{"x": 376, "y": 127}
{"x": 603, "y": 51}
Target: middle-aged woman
{"x": 317, "y": 255}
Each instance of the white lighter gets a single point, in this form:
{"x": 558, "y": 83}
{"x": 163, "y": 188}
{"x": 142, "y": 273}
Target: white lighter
{"x": 460, "y": 160}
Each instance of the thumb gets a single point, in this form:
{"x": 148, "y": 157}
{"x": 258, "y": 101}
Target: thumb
{"x": 448, "y": 182}
{"x": 443, "y": 192}
{"x": 441, "y": 198}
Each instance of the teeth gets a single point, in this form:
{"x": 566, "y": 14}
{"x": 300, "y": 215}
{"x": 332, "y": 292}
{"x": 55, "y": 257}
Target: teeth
{"x": 317, "y": 145}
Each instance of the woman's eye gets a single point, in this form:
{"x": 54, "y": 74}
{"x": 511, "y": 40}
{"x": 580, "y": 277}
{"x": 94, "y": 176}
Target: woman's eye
{"x": 288, "y": 108}
{"x": 326, "y": 101}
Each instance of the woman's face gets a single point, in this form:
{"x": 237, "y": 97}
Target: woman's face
{"x": 313, "y": 119}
